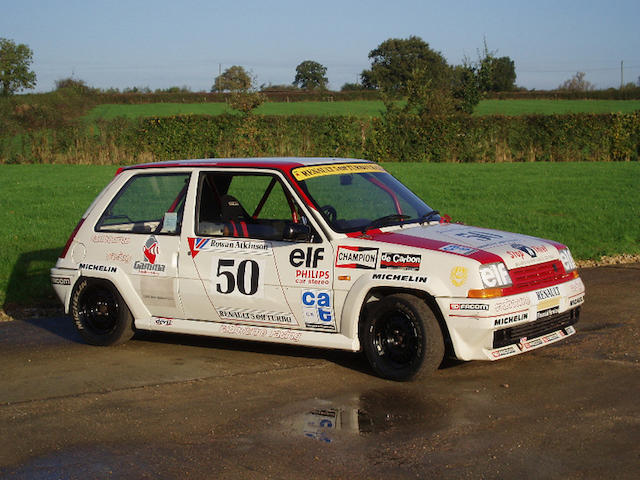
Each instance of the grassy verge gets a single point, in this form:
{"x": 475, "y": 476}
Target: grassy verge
{"x": 592, "y": 207}
{"x": 361, "y": 108}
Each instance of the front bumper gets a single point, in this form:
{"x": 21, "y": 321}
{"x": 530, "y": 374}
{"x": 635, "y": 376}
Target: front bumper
{"x": 491, "y": 329}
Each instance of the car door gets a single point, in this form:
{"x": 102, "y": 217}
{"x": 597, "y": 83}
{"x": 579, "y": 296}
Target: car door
{"x": 229, "y": 272}
{"x": 139, "y": 233}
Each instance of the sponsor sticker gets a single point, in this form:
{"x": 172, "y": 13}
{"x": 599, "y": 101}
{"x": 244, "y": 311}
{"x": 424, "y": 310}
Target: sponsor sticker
{"x": 512, "y": 303}
{"x": 256, "y": 316}
{"x": 317, "y": 309}
{"x": 305, "y": 173}
{"x": 502, "y": 321}
{"x": 357, "y": 257}
{"x": 458, "y": 276}
{"x": 261, "y": 332}
{"x": 458, "y": 249}
{"x": 468, "y": 306}
{"x": 307, "y": 257}
{"x": 546, "y": 293}
{"x": 163, "y": 322}
{"x": 503, "y": 352}
{"x": 198, "y": 244}
{"x": 306, "y": 276}
{"x": 525, "y": 252}
{"x": 150, "y": 251}
{"x": 399, "y": 277}
{"x": 117, "y": 239}
{"x": 61, "y": 280}
{"x": 548, "y": 312}
{"x": 98, "y": 268}
{"x": 402, "y": 261}
{"x": 479, "y": 235}
{"x": 119, "y": 257}
{"x": 576, "y": 301}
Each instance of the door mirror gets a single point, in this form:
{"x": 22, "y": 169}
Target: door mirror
{"x": 297, "y": 232}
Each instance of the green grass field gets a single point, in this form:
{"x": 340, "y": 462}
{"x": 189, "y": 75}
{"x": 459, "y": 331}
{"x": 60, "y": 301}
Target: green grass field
{"x": 549, "y": 107}
{"x": 592, "y": 207}
{"x": 361, "y": 108}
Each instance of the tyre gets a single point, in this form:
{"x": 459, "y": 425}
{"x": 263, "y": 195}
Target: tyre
{"x": 100, "y": 314}
{"x": 402, "y": 338}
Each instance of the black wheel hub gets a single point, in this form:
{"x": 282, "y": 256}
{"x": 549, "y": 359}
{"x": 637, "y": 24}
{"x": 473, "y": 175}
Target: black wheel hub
{"x": 99, "y": 311}
{"x": 396, "y": 338}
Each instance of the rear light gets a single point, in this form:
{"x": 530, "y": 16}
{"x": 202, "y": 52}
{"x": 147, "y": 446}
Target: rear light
{"x": 70, "y": 241}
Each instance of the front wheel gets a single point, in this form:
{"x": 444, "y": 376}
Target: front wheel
{"x": 402, "y": 338}
{"x": 100, "y": 314}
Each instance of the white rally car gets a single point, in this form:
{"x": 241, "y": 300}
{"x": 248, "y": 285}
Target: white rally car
{"x": 332, "y": 253}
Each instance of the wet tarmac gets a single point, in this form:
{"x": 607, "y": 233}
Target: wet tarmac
{"x": 188, "y": 407}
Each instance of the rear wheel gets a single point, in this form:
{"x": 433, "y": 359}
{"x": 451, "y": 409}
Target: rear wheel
{"x": 402, "y": 338}
{"x": 100, "y": 314}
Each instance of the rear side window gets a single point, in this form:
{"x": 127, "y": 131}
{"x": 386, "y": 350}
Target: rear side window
{"x": 147, "y": 204}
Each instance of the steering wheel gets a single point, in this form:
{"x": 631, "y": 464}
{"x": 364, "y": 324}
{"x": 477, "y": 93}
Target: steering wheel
{"x": 330, "y": 213}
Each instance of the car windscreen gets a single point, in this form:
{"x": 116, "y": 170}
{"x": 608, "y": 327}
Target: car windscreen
{"x": 358, "y": 197}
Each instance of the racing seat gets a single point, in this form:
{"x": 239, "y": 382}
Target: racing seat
{"x": 235, "y": 216}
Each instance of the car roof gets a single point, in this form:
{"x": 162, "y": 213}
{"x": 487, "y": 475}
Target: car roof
{"x": 277, "y": 163}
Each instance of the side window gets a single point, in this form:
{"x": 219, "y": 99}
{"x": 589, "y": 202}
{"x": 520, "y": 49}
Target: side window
{"x": 147, "y": 204}
{"x": 244, "y": 205}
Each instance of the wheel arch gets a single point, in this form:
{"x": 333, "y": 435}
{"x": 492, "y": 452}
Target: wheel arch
{"x": 138, "y": 310}
{"x": 358, "y": 298}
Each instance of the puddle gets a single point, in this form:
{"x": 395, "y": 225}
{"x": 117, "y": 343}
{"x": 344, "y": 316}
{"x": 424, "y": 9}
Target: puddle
{"x": 322, "y": 424}
{"x": 371, "y": 413}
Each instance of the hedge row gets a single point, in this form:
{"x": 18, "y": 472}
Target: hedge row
{"x": 327, "y": 95}
{"x": 403, "y": 138}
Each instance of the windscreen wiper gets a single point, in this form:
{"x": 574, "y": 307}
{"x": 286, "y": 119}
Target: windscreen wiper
{"x": 425, "y": 218}
{"x": 385, "y": 221}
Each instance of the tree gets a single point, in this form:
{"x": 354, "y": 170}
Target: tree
{"x": 233, "y": 79}
{"x": 499, "y": 74}
{"x": 464, "y": 87}
{"x": 311, "y": 75}
{"x": 395, "y": 60}
{"x": 495, "y": 74}
{"x": 351, "y": 87}
{"x": 577, "y": 83}
{"x": 73, "y": 84}
{"x": 15, "y": 61}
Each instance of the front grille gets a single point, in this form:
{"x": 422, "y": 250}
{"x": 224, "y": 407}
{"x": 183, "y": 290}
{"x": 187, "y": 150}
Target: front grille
{"x": 536, "y": 276}
{"x": 537, "y": 328}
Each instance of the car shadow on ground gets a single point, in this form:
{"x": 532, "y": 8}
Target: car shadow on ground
{"x": 351, "y": 360}
{"x": 29, "y": 282}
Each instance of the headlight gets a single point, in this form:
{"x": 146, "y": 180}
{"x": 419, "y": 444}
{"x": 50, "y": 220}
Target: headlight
{"x": 567, "y": 260}
{"x": 495, "y": 275}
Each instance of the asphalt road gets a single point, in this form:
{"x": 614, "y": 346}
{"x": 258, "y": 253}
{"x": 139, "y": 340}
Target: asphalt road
{"x": 188, "y": 407}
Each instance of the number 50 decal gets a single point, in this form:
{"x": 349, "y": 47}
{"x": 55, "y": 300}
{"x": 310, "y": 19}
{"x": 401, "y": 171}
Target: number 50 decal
{"x": 238, "y": 277}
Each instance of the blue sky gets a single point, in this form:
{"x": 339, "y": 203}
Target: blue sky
{"x": 161, "y": 43}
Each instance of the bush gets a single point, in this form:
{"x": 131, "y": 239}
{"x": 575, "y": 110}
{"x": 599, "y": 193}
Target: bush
{"x": 406, "y": 137}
